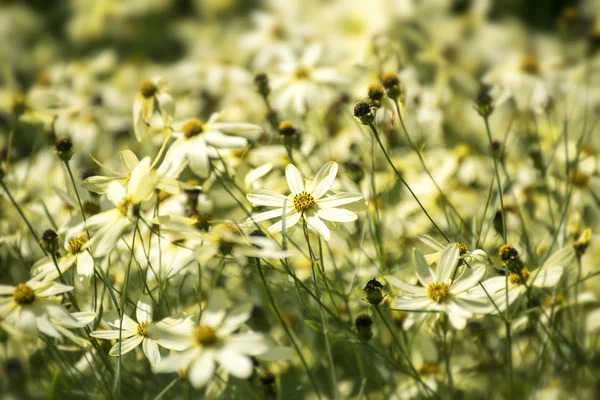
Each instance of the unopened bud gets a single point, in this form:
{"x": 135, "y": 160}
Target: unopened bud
{"x": 64, "y": 148}
{"x": 583, "y": 241}
{"x": 374, "y": 291}
{"x": 262, "y": 84}
{"x": 364, "y": 326}
{"x": 362, "y": 111}
{"x": 49, "y": 241}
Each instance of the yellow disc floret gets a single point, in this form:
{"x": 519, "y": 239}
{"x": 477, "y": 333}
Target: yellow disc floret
{"x": 438, "y": 292}
{"x": 75, "y": 245}
{"x": 148, "y": 89}
{"x": 140, "y": 330}
{"x": 24, "y": 294}
{"x": 303, "y": 201}
{"x": 519, "y": 278}
{"x": 205, "y": 335}
{"x": 192, "y": 128}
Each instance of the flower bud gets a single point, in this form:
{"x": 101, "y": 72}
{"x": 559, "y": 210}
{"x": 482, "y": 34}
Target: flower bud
{"x": 510, "y": 255}
{"x": 375, "y": 91}
{"x": 64, "y": 148}
{"x": 483, "y": 102}
{"x": 362, "y": 111}
{"x": 49, "y": 241}
{"x": 374, "y": 291}
{"x": 364, "y": 326}
{"x": 582, "y": 242}
{"x": 392, "y": 85}
{"x": 262, "y": 84}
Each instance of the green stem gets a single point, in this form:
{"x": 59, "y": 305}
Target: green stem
{"x": 489, "y": 134}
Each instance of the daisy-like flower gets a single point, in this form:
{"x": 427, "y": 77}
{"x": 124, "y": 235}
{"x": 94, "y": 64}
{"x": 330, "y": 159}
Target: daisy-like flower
{"x": 307, "y": 200}
{"x": 213, "y": 340}
{"x": 197, "y": 142}
{"x": 34, "y": 307}
{"x": 145, "y": 332}
{"x": 445, "y": 290}
{"x": 152, "y": 92}
{"x": 112, "y": 223}
{"x": 45, "y": 270}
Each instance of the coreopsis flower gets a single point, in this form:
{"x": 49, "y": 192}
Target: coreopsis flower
{"x": 34, "y": 307}
{"x": 307, "y": 200}
{"x": 445, "y": 290}
{"x": 145, "y": 332}
{"x": 197, "y": 142}
{"x": 301, "y": 84}
{"x": 75, "y": 255}
{"x": 213, "y": 341}
{"x": 152, "y": 94}
{"x": 110, "y": 225}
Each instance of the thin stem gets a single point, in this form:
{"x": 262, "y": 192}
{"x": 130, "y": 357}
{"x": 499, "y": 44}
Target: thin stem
{"x": 286, "y": 328}
{"x": 75, "y": 189}
{"x": 22, "y": 215}
{"x": 489, "y": 134}
{"x": 404, "y": 182}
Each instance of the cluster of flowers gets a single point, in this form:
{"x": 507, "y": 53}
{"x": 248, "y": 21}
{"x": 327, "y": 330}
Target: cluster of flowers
{"x": 267, "y": 207}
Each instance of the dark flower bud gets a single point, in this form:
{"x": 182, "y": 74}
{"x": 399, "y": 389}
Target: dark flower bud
{"x": 364, "y": 326}
{"x": 392, "y": 85}
{"x": 286, "y": 129}
{"x": 483, "y": 102}
{"x": 50, "y": 241}
{"x": 262, "y": 84}
{"x": 64, "y": 148}
{"x": 374, "y": 291}
{"x": 375, "y": 91}
{"x": 362, "y": 111}
{"x": 582, "y": 242}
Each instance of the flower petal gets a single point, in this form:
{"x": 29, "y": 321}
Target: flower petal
{"x": 339, "y": 199}
{"x": 236, "y": 364}
{"x": 422, "y": 268}
{"x": 447, "y": 263}
{"x": 405, "y": 287}
{"x": 315, "y": 222}
{"x": 294, "y": 179}
{"x": 202, "y": 369}
{"x": 264, "y": 197}
{"x": 337, "y": 215}
{"x": 323, "y": 181}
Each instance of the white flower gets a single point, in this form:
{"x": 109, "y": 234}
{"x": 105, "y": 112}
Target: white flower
{"x": 151, "y": 92}
{"x": 477, "y": 255}
{"x": 34, "y": 306}
{"x": 197, "y": 142}
{"x": 443, "y": 291}
{"x": 145, "y": 332}
{"x": 112, "y": 223}
{"x": 307, "y": 200}
{"x": 213, "y": 341}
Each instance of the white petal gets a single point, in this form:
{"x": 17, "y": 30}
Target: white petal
{"x": 129, "y": 160}
{"x": 324, "y": 179}
{"x": 431, "y": 242}
{"x": 410, "y": 304}
{"x": 291, "y": 219}
{"x": 139, "y": 185}
{"x": 111, "y": 334}
{"x": 561, "y": 258}
{"x": 405, "y": 287}
{"x": 263, "y": 197}
{"x": 247, "y": 343}
{"x": 175, "y": 362}
{"x": 219, "y": 140}
{"x": 337, "y": 215}
{"x": 202, "y": 369}
{"x": 215, "y": 309}
{"x": 85, "y": 264}
{"x": 53, "y": 289}
{"x": 294, "y": 179}
{"x": 236, "y": 364}
{"x": 278, "y": 212}
{"x": 143, "y": 313}
{"x": 197, "y": 157}
{"x": 126, "y": 346}
{"x": 339, "y": 199}
{"x": 468, "y": 279}
{"x": 447, "y": 263}
{"x": 235, "y": 318}
{"x": 315, "y": 222}
{"x": 151, "y": 351}
{"x": 548, "y": 277}
{"x": 422, "y": 268}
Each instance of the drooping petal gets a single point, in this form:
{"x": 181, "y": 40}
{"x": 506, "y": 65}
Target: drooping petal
{"x": 315, "y": 222}
{"x": 562, "y": 258}
{"x": 548, "y": 277}
{"x": 85, "y": 265}
{"x": 291, "y": 219}
{"x": 151, "y": 351}
{"x": 197, "y": 157}
{"x": 219, "y": 140}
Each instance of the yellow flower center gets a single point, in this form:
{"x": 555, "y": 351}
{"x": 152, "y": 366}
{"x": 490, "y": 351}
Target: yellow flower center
{"x": 148, "y": 89}
{"x": 123, "y": 206}
{"x": 301, "y": 73}
{"x": 519, "y": 279}
{"x": 205, "y": 335}
{"x": 438, "y": 292}
{"x": 140, "y": 330}
{"x": 303, "y": 201}
{"x": 462, "y": 248}
{"x": 192, "y": 128}
{"x": 429, "y": 368}
{"x": 75, "y": 245}
{"x": 530, "y": 64}
{"x": 23, "y": 294}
